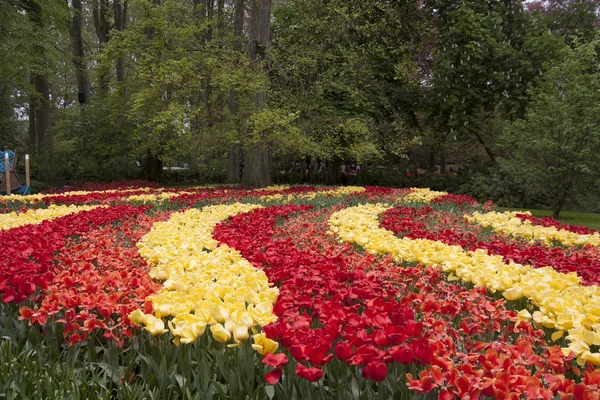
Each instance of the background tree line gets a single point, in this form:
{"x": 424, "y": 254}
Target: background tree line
{"x": 505, "y": 91}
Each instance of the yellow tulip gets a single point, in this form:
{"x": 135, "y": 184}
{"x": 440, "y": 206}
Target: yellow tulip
{"x": 219, "y": 314}
{"x": 204, "y": 282}
{"x": 137, "y": 317}
{"x": 36, "y": 216}
{"x": 154, "y": 325}
{"x": 264, "y": 345}
{"x": 422, "y": 195}
{"x": 509, "y": 224}
{"x": 220, "y": 334}
{"x": 513, "y": 293}
{"x": 240, "y": 333}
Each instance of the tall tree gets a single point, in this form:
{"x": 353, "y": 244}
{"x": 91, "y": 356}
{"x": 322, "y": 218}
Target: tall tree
{"x": 121, "y": 15}
{"x": 488, "y": 54}
{"x": 41, "y": 106}
{"x": 555, "y": 146}
{"x": 235, "y": 152}
{"x": 102, "y": 27}
{"x": 347, "y": 67}
{"x": 570, "y": 18}
{"x": 257, "y": 156}
{"x": 76, "y": 32}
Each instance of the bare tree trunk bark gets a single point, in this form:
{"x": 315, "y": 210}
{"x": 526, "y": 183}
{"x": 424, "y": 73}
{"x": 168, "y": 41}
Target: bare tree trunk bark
{"x": 233, "y": 165}
{"x": 334, "y": 171}
{"x": 154, "y": 167}
{"x": 83, "y": 86}
{"x": 41, "y": 105}
{"x": 257, "y": 159}
{"x": 43, "y": 114}
{"x": 31, "y": 144}
{"x": 488, "y": 151}
{"x": 220, "y": 18}
{"x": 120, "y": 15}
{"x": 120, "y": 10}
{"x": 235, "y": 152}
{"x": 442, "y": 162}
{"x": 102, "y": 27}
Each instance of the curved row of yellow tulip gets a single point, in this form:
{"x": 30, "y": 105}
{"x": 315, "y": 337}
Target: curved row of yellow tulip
{"x": 564, "y": 304}
{"x": 508, "y": 223}
{"x": 205, "y": 284}
{"x": 152, "y": 198}
{"x": 338, "y": 192}
{"x": 422, "y": 195}
{"x": 36, "y": 216}
{"x": 273, "y": 188}
{"x": 30, "y": 198}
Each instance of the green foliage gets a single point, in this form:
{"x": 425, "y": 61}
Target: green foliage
{"x": 571, "y": 19}
{"x": 37, "y": 363}
{"x": 275, "y": 128}
{"x": 346, "y": 138}
{"x": 29, "y": 45}
{"x": 556, "y": 145}
{"x": 505, "y": 186}
{"x": 346, "y": 67}
{"x": 488, "y": 55}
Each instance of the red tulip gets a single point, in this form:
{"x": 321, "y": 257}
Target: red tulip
{"x": 403, "y": 354}
{"x": 310, "y": 374}
{"x": 272, "y": 377}
{"x": 275, "y": 360}
{"x": 343, "y": 351}
{"x": 376, "y": 371}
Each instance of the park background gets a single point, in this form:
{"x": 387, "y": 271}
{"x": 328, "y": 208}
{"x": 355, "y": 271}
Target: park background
{"x": 496, "y": 99}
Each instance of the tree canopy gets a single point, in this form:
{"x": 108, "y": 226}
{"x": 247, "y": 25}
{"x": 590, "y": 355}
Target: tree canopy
{"x": 228, "y": 88}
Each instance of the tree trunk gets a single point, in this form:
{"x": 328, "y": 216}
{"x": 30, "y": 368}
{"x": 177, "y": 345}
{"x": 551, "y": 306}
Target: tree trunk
{"x": 41, "y": 105}
{"x": 333, "y": 171}
{"x": 120, "y": 15}
{"x": 256, "y": 167}
{"x": 442, "y": 163}
{"x": 485, "y": 147}
{"x": 42, "y": 118}
{"x": 431, "y": 161}
{"x": 102, "y": 27}
{"x": 257, "y": 159}
{"x": 561, "y": 195}
{"x": 235, "y": 152}
{"x": 233, "y": 165}
{"x": 120, "y": 23}
{"x": 220, "y": 18}
{"x": 83, "y": 87}
{"x": 154, "y": 167}
{"x": 32, "y": 148}
{"x": 556, "y": 212}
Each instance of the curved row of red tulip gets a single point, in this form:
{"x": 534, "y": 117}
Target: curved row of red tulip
{"x": 98, "y": 280}
{"x": 28, "y": 252}
{"x": 551, "y": 222}
{"x": 452, "y": 229}
{"x": 368, "y": 312}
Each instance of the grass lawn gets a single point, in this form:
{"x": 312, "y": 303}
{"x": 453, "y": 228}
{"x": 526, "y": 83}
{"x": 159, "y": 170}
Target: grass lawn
{"x": 572, "y": 218}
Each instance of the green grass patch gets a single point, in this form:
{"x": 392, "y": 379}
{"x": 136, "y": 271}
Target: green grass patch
{"x": 590, "y": 220}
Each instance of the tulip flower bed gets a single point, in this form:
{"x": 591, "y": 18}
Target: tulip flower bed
{"x": 136, "y": 291}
